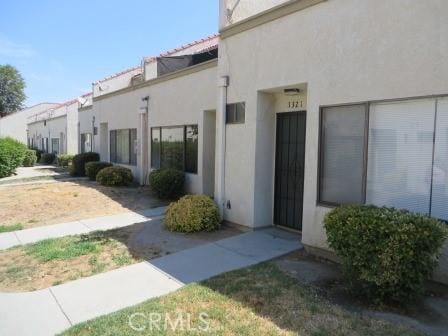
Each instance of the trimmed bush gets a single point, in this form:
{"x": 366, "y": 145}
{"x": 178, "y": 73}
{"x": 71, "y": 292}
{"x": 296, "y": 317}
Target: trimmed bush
{"x": 167, "y": 183}
{"x": 38, "y": 153}
{"x": 64, "y": 160}
{"x": 192, "y": 213}
{"x": 387, "y": 254}
{"x": 12, "y": 153}
{"x": 47, "y": 158}
{"x": 115, "y": 176}
{"x": 30, "y": 158}
{"x": 93, "y": 168}
{"x": 79, "y": 161}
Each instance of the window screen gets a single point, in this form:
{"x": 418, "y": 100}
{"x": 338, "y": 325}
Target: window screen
{"x": 123, "y": 146}
{"x": 191, "y": 149}
{"x": 55, "y": 146}
{"x": 439, "y": 203}
{"x": 400, "y": 154}
{"x": 172, "y": 154}
{"x": 236, "y": 113}
{"x": 86, "y": 142}
{"x": 175, "y": 147}
{"x": 133, "y": 144}
{"x": 342, "y": 154}
{"x": 155, "y": 147}
{"x": 113, "y": 146}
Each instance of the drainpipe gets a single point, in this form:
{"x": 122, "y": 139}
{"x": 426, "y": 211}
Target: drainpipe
{"x": 143, "y": 141}
{"x": 221, "y": 144}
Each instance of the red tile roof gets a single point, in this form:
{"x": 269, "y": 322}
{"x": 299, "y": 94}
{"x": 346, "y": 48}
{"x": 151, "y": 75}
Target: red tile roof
{"x": 209, "y": 42}
{"x": 120, "y": 73}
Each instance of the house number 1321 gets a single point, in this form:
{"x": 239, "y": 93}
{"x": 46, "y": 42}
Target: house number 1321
{"x": 295, "y": 104}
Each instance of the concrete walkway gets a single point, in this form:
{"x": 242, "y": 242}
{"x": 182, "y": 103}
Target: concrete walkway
{"x": 50, "y": 311}
{"x": 10, "y": 239}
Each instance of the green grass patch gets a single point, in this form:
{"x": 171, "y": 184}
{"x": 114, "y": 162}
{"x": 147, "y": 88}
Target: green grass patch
{"x": 122, "y": 259}
{"x": 260, "y": 300}
{"x": 10, "y": 228}
{"x": 63, "y": 248}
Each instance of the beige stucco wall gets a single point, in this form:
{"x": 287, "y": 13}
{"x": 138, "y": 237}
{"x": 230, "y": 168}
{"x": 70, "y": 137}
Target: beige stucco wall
{"x": 115, "y": 82}
{"x": 343, "y": 51}
{"x": 52, "y": 130}
{"x": 178, "y": 101}
{"x": 244, "y": 9}
{"x": 15, "y": 125}
{"x": 66, "y": 114}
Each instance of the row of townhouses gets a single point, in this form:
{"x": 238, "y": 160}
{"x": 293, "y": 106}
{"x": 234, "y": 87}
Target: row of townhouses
{"x": 295, "y": 107}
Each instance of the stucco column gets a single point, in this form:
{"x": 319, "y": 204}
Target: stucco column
{"x": 221, "y": 144}
{"x": 143, "y": 142}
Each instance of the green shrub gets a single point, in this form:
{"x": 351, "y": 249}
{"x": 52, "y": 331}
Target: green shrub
{"x": 387, "y": 254}
{"x": 64, "y": 160}
{"x": 12, "y": 153}
{"x": 38, "y": 153}
{"x": 30, "y": 158}
{"x": 79, "y": 161}
{"x": 93, "y": 168}
{"x": 47, "y": 158}
{"x": 167, "y": 183}
{"x": 192, "y": 213}
{"x": 115, "y": 176}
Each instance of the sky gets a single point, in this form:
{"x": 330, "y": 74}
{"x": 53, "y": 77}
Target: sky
{"x": 61, "y": 47}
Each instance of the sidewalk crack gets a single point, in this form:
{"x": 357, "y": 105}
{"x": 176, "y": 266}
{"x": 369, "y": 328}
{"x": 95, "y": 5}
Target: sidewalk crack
{"x": 60, "y": 307}
{"x": 17, "y": 237}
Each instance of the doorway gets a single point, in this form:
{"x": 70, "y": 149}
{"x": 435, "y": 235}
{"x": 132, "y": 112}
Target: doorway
{"x": 289, "y": 169}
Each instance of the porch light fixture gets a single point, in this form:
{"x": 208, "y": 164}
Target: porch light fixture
{"x": 291, "y": 92}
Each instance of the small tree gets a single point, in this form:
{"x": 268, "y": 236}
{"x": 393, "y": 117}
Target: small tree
{"x": 12, "y": 88}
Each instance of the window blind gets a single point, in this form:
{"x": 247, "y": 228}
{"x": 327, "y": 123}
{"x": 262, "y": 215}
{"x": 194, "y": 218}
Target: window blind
{"x": 439, "y": 201}
{"x": 400, "y": 154}
{"x": 342, "y": 154}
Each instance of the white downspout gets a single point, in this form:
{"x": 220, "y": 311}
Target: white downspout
{"x": 143, "y": 141}
{"x": 221, "y": 144}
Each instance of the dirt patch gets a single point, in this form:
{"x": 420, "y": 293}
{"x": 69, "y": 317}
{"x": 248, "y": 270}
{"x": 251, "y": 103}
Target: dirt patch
{"x": 55, "y": 261}
{"x": 43, "y": 204}
{"x": 428, "y": 315}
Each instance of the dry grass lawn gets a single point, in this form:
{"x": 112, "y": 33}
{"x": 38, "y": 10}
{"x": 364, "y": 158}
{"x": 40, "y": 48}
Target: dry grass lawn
{"x": 260, "y": 300}
{"x": 55, "y": 261}
{"x": 28, "y": 206}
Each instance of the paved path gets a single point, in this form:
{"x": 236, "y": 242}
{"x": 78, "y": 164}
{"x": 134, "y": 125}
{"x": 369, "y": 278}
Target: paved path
{"x": 50, "y": 311}
{"x": 10, "y": 239}
{"x": 36, "y": 171}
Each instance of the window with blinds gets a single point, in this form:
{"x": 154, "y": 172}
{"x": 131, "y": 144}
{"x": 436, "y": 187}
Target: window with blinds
{"x": 123, "y": 146}
{"x": 342, "y": 154}
{"x": 400, "y": 154}
{"x": 406, "y": 152}
{"x": 439, "y": 200}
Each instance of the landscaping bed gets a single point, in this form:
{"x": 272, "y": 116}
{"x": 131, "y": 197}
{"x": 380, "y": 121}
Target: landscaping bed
{"x": 260, "y": 300}
{"x": 35, "y": 205}
{"x": 55, "y": 261}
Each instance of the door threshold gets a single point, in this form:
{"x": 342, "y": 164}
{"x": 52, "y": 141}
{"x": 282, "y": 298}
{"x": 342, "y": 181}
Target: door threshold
{"x": 287, "y": 229}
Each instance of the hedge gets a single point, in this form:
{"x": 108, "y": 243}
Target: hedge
{"x": 64, "y": 160}
{"x": 192, "y": 213}
{"x": 30, "y": 158}
{"x": 167, "y": 183}
{"x": 79, "y": 161}
{"x": 12, "y": 153}
{"x": 115, "y": 176}
{"x": 94, "y": 167}
{"x": 387, "y": 254}
{"x": 47, "y": 158}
